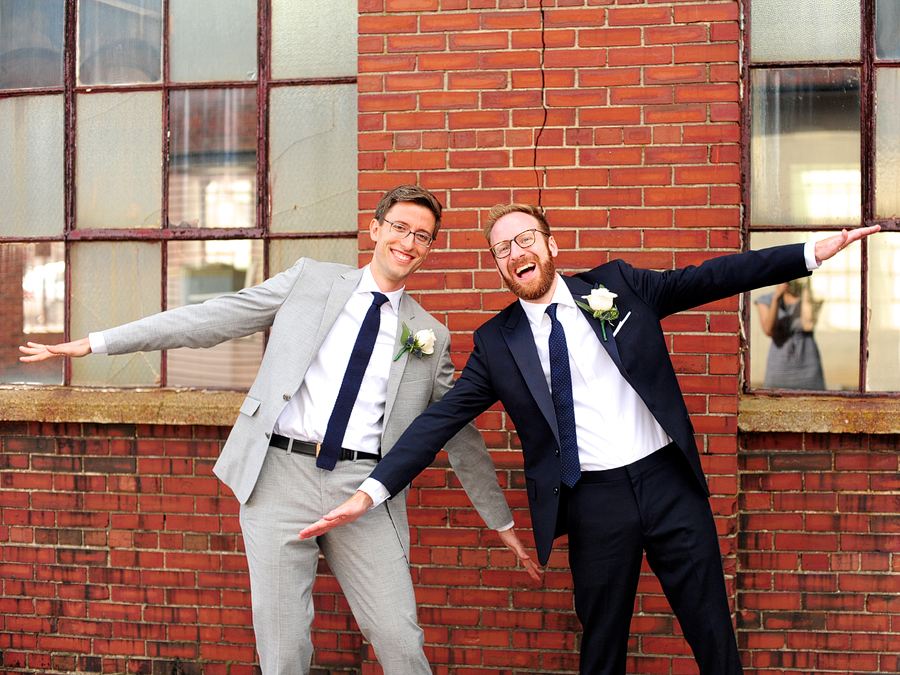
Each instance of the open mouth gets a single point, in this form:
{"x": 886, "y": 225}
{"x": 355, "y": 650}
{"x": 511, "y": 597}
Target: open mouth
{"x": 525, "y": 269}
{"x": 401, "y": 256}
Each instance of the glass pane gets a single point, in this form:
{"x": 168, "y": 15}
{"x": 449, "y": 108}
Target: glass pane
{"x": 887, "y": 144}
{"x": 119, "y": 182}
{"x": 119, "y": 41}
{"x": 31, "y": 43}
{"x": 212, "y": 158}
{"x": 804, "y": 30}
{"x": 212, "y": 40}
{"x": 805, "y": 147}
{"x": 283, "y": 253}
{"x": 887, "y": 29}
{"x": 198, "y": 271}
{"x": 312, "y": 154}
{"x": 883, "y": 368}
{"x": 823, "y": 339}
{"x": 32, "y": 304}
{"x": 114, "y": 283}
{"x": 31, "y": 181}
{"x": 314, "y": 38}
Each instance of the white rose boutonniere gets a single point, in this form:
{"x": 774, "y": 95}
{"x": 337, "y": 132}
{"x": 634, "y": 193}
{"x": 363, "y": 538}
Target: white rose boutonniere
{"x": 601, "y": 306}
{"x": 420, "y": 343}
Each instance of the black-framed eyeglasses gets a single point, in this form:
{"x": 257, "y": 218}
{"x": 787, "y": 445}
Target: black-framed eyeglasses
{"x": 524, "y": 239}
{"x": 401, "y": 231}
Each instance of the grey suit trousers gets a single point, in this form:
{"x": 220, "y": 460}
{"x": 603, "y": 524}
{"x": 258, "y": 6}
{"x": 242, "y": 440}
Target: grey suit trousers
{"x": 367, "y": 559}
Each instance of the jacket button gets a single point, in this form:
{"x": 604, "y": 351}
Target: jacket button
{"x": 286, "y": 397}
{"x": 268, "y": 435}
{"x": 557, "y": 453}
{"x": 556, "y": 491}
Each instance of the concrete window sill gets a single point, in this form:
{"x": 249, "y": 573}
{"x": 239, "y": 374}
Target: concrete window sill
{"x": 818, "y": 414}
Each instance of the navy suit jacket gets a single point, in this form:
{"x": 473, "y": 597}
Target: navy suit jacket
{"x": 504, "y": 366}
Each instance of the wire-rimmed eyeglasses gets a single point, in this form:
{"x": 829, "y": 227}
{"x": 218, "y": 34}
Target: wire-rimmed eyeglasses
{"x": 524, "y": 239}
{"x": 401, "y": 231}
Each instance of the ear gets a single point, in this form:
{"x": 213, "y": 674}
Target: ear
{"x": 551, "y": 244}
{"x": 374, "y": 228}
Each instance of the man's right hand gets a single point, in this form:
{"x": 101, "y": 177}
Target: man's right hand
{"x": 346, "y": 513}
{"x": 36, "y": 351}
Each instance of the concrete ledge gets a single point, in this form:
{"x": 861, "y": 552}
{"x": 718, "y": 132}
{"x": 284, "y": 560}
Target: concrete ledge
{"x": 818, "y": 414}
{"x": 120, "y": 406}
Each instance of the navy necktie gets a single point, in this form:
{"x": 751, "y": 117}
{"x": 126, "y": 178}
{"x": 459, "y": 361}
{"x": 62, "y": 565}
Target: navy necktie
{"x": 561, "y": 392}
{"x": 356, "y": 368}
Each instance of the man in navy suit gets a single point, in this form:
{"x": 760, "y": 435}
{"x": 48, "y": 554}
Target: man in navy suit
{"x": 609, "y": 449}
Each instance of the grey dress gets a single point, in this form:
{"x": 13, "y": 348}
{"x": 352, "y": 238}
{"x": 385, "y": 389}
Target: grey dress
{"x": 794, "y": 361}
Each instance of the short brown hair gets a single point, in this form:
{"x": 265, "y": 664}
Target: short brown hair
{"x": 500, "y": 210}
{"x": 410, "y": 193}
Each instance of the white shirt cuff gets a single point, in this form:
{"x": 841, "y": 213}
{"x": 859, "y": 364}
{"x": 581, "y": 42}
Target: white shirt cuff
{"x": 506, "y": 527}
{"x": 375, "y": 490}
{"x": 98, "y": 344}
{"x": 809, "y": 252}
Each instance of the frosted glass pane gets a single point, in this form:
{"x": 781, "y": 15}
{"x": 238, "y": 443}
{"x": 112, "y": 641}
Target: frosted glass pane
{"x": 198, "y": 271}
{"x": 883, "y": 368}
{"x": 887, "y": 29}
{"x": 32, "y": 304}
{"x": 312, "y": 151}
{"x": 114, "y": 283}
{"x": 118, "y": 180}
{"x": 212, "y": 158}
{"x": 887, "y": 144}
{"x": 212, "y": 40}
{"x": 805, "y": 147}
{"x": 31, "y": 43}
{"x": 835, "y": 291}
{"x": 31, "y": 182}
{"x": 119, "y": 41}
{"x": 804, "y": 30}
{"x": 314, "y": 38}
{"x": 283, "y": 253}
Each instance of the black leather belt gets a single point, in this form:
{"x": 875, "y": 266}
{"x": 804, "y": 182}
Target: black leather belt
{"x": 312, "y": 449}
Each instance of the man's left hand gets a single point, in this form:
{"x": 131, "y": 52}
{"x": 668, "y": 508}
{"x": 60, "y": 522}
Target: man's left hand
{"x": 826, "y": 248}
{"x": 514, "y": 544}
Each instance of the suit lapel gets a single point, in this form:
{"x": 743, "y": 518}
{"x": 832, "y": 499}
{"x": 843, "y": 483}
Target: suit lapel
{"x": 406, "y": 314}
{"x": 340, "y": 292}
{"x": 520, "y": 340}
{"x": 578, "y": 288}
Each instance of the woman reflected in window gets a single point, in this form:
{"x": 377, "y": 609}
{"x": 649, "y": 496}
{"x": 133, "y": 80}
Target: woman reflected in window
{"x": 788, "y": 316}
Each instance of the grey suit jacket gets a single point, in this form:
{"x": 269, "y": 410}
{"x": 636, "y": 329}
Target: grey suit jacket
{"x": 301, "y": 305}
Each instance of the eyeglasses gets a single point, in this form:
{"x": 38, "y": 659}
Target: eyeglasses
{"x": 401, "y": 231}
{"x": 524, "y": 239}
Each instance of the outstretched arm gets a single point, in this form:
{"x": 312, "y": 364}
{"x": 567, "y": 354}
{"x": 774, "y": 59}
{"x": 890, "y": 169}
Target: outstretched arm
{"x": 35, "y": 351}
{"x": 827, "y": 248}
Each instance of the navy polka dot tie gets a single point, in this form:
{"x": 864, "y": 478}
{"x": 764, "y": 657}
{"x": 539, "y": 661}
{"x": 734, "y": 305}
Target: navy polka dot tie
{"x": 561, "y": 392}
{"x": 356, "y": 368}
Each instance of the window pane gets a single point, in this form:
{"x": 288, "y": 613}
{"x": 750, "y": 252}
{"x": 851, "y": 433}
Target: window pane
{"x": 314, "y": 38}
{"x": 32, "y": 304}
{"x": 31, "y": 181}
{"x": 198, "y": 271}
{"x": 119, "y": 181}
{"x": 283, "y": 253}
{"x": 804, "y": 30}
{"x": 887, "y": 144}
{"x": 883, "y": 370}
{"x": 212, "y": 40}
{"x": 114, "y": 283}
{"x": 212, "y": 158}
{"x": 887, "y": 29}
{"x": 790, "y": 358}
{"x": 312, "y": 151}
{"x": 31, "y": 43}
{"x": 805, "y": 146}
{"x": 119, "y": 42}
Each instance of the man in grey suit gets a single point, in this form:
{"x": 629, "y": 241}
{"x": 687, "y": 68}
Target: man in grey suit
{"x": 271, "y": 458}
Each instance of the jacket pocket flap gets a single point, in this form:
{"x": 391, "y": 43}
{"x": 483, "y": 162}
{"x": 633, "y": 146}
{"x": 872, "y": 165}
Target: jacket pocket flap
{"x": 249, "y": 406}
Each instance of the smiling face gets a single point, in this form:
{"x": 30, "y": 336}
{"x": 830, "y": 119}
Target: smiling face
{"x": 395, "y": 259}
{"x": 530, "y": 272}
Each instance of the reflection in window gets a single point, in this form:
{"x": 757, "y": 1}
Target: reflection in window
{"x": 804, "y": 143}
{"x": 199, "y": 271}
{"x": 31, "y": 43}
{"x": 119, "y": 41}
{"x": 212, "y": 158}
{"x": 32, "y": 304}
{"x": 834, "y": 295}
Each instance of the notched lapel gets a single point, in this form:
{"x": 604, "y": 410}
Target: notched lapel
{"x": 405, "y": 314}
{"x": 520, "y": 340}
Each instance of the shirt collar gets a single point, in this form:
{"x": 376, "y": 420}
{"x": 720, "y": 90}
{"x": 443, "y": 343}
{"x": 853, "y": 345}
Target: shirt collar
{"x": 535, "y": 311}
{"x": 367, "y": 285}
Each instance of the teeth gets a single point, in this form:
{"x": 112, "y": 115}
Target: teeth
{"x": 524, "y": 268}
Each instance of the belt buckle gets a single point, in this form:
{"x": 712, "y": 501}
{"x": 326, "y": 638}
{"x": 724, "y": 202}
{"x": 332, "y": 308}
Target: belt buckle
{"x": 290, "y": 443}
